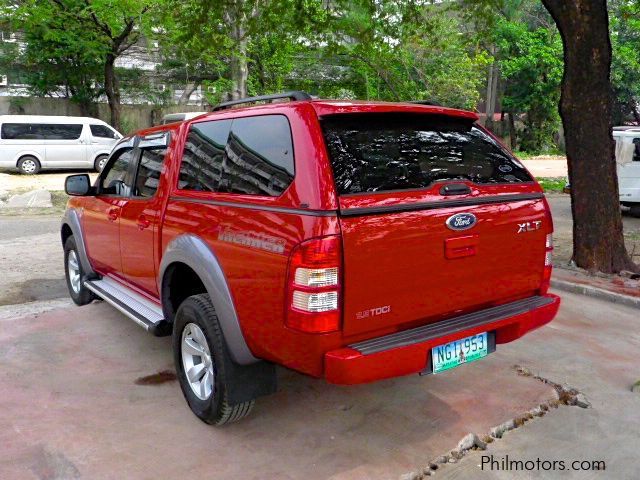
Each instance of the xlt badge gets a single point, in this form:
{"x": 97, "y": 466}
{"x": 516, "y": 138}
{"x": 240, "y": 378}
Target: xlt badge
{"x": 529, "y": 226}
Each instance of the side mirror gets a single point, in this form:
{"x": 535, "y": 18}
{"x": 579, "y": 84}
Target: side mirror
{"x": 78, "y": 185}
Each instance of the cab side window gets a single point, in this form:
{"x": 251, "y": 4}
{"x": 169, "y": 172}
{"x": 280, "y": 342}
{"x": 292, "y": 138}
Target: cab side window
{"x": 201, "y": 165}
{"x": 636, "y": 150}
{"x": 115, "y": 178}
{"x": 259, "y": 156}
{"x": 149, "y": 170}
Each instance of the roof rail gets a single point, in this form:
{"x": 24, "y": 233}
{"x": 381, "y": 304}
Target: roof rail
{"x": 292, "y": 95}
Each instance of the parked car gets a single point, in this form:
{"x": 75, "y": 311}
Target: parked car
{"x": 354, "y": 241}
{"x": 30, "y": 143}
{"x": 628, "y": 167}
{"x": 179, "y": 117}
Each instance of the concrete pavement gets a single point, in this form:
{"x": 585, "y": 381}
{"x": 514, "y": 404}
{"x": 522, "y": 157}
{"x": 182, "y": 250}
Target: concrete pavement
{"x": 70, "y": 408}
{"x": 546, "y": 167}
{"x": 594, "y": 346}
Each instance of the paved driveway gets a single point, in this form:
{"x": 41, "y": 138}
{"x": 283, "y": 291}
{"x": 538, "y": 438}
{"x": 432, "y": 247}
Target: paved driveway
{"x": 70, "y": 408}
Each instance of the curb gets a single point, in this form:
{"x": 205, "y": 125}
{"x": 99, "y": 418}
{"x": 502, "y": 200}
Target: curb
{"x": 595, "y": 292}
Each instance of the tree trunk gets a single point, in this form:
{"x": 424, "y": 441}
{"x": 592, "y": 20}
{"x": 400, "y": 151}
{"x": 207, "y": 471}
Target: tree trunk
{"x": 112, "y": 90}
{"x": 239, "y": 67}
{"x": 586, "y": 108}
{"x": 513, "y": 134}
{"x": 189, "y": 88}
{"x": 238, "y": 64}
{"x": 492, "y": 89}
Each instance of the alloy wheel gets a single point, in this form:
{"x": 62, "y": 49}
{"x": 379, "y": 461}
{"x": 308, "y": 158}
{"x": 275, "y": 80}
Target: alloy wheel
{"x": 73, "y": 267}
{"x": 196, "y": 361}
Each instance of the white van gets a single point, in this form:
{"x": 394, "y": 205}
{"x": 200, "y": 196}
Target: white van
{"x": 628, "y": 163}
{"x": 30, "y": 143}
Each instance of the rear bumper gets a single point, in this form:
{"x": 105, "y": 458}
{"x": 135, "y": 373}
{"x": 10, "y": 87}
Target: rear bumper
{"x": 406, "y": 352}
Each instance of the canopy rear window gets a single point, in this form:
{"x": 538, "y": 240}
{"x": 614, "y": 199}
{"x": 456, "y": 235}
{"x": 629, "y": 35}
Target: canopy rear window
{"x": 384, "y": 152}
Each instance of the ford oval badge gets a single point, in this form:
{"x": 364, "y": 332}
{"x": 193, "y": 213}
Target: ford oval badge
{"x": 461, "y": 221}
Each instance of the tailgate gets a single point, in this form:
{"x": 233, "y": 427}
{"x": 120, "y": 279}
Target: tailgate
{"x": 437, "y": 219}
{"x": 405, "y": 267}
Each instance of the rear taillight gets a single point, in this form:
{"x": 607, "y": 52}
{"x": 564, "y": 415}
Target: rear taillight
{"x": 314, "y": 287}
{"x": 548, "y": 265}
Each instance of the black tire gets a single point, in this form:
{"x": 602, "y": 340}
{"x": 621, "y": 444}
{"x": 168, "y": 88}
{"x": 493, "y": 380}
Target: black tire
{"x": 82, "y": 296}
{"x": 634, "y": 210}
{"x": 29, "y": 165}
{"x": 215, "y": 410}
{"x": 99, "y": 159}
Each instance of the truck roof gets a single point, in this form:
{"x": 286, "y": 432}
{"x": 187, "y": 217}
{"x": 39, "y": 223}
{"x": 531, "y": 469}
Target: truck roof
{"x": 334, "y": 107}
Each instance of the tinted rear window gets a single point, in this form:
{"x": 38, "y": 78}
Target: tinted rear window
{"x": 382, "y": 152}
{"x": 250, "y": 155}
{"x": 259, "y": 156}
{"x": 40, "y": 131}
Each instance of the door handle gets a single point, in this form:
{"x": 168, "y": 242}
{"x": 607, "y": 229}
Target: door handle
{"x": 459, "y": 247}
{"x": 143, "y": 222}
{"x": 112, "y": 214}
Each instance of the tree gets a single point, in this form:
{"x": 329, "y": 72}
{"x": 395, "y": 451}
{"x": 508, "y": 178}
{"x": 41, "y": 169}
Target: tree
{"x": 530, "y": 60}
{"x": 85, "y": 31}
{"x": 405, "y": 50}
{"x": 119, "y": 29}
{"x": 58, "y": 59}
{"x": 625, "y": 68}
{"x": 586, "y": 111}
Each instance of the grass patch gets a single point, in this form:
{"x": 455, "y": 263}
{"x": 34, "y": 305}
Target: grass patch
{"x": 555, "y": 184}
{"x": 524, "y": 155}
{"x": 58, "y": 200}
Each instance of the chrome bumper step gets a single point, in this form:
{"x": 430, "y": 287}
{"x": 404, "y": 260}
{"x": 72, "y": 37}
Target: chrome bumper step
{"x": 449, "y": 326}
{"x": 142, "y": 311}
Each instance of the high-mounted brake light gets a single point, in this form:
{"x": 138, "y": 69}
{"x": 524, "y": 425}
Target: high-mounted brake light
{"x": 313, "y": 301}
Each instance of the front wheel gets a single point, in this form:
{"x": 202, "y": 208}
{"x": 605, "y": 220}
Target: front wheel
{"x": 200, "y": 355}
{"x": 74, "y": 274}
{"x": 100, "y": 163}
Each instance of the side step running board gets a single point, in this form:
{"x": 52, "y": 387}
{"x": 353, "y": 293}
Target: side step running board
{"x": 452, "y": 325}
{"x": 144, "y": 312}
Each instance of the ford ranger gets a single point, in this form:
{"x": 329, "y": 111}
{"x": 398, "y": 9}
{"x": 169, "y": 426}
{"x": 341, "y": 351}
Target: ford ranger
{"x": 350, "y": 241}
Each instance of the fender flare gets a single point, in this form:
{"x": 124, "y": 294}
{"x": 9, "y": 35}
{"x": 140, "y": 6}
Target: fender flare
{"x": 71, "y": 218}
{"x": 196, "y": 254}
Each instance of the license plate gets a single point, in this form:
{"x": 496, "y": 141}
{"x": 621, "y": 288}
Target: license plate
{"x": 465, "y": 350}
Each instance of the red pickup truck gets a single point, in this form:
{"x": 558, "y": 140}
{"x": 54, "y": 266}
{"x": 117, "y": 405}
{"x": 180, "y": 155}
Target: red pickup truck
{"x": 354, "y": 241}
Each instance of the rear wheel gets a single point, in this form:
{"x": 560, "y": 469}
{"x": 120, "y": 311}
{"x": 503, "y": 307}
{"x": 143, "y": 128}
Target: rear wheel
{"x": 200, "y": 355}
{"x": 100, "y": 162}
{"x": 634, "y": 210}
{"x": 74, "y": 274}
{"x": 28, "y": 165}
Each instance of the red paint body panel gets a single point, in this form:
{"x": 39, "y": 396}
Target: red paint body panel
{"x": 408, "y": 260}
{"x": 101, "y": 225}
{"x": 403, "y": 260}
